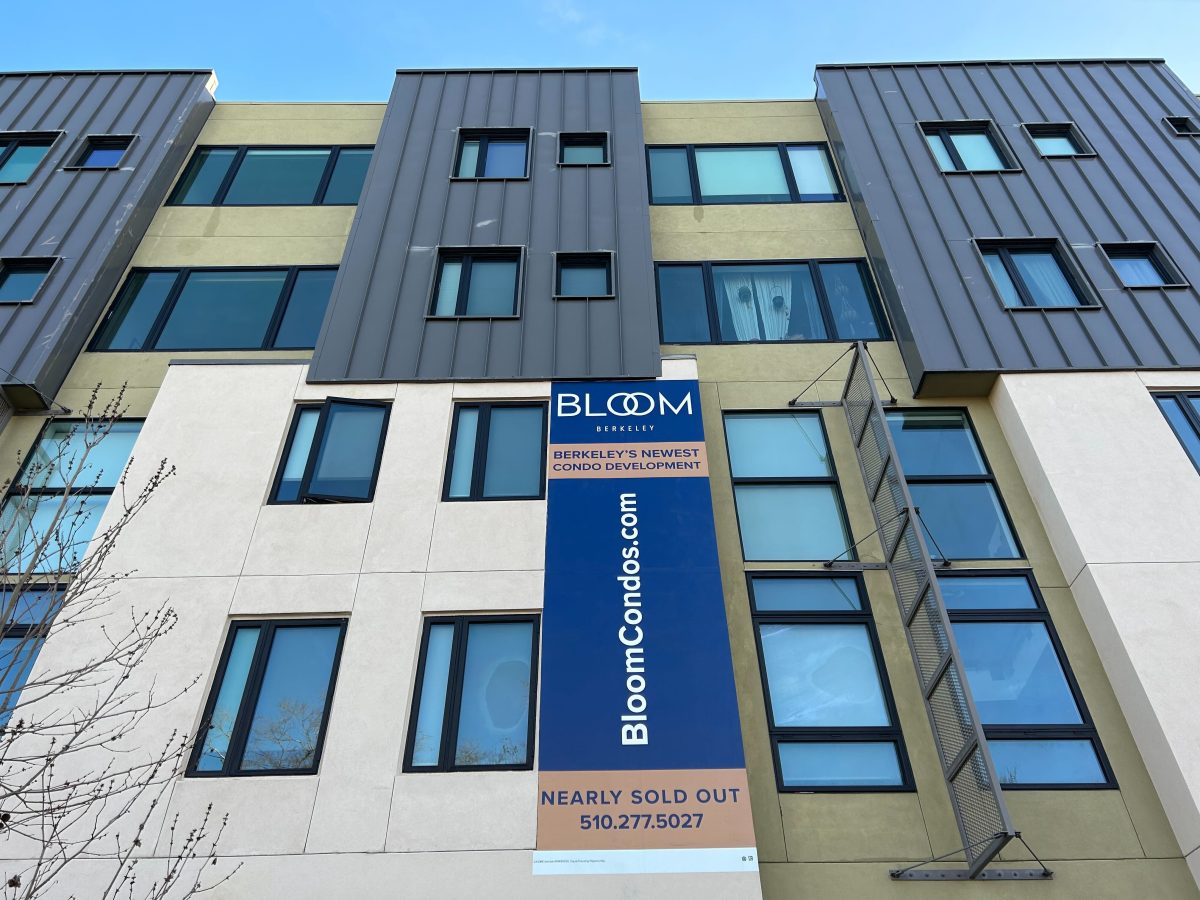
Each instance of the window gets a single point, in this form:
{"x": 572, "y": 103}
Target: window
{"x": 1033, "y": 274}
{"x": 27, "y": 616}
{"x": 332, "y": 452}
{"x": 1183, "y": 413}
{"x": 269, "y": 704}
{"x": 784, "y": 486}
{"x": 497, "y": 452}
{"x": 1184, "y": 126}
{"x": 814, "y": 300}
{"x": 583, "y": 149}
{"x": 832, "y": 721}
{"x": 495, "y": 153}
{"x": 770, "y": 173}
{"x": 1143, "y": 265}
{"x": 102, "y": 151}
{"x": 951, "y": 485}
{"x": 1032, "y": 713}
{"x": 1058, "y": 139}
{"x": 218, "y": 309}
{"x": 273, "y": 176}
{"x": 480, "y": 283}
{"x": 584, "y": 275}
{"x": 966, "y": 147}
{"x": 475, "y": 691}
{"x": 22, "y": 277}
{"x": 60, "y": 492}
{"x": 21, "y": 154}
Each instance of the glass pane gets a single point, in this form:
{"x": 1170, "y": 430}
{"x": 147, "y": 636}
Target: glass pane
{"x": 767, "y": 303}
{"x": 742, "y": 175}
{"x": 1015, "y": 674}
{"x": 682, "y": 305}
{"x": 790, "y": 521}
{"x": 203, "y": 177}
{"x": 1183, "y": 428}
{"x": 493, "y": 288}
{"x": 493, "y": 719}
{"x": 278, "y": 177}
{"x": 427, "y": 739}
{"x": 63, "y": 454}
{"x": 849, "y": 302}
{"x": 20, "y": 165}
{"x": 141, "y": 300}
{"x": 988, "y": 592}
{"x": 291, "y": 702}
{"x": 305, "y": 309}
{"x": 505, "y": 159}
{"x": 229, "y": 699}
{"x": 814, "y": 177}
{"x": 223, "y": 311}
{"x": 514, "y": 452}
{"x": 19, "y": 283}
{"x": 941, "y": 154}
{"x": 965, "y": 520}
{"x": 99, "y": 157}
{"x": 935, "y": 442}
{"x": 846, "y": 763}
{"x": 447, "y": 297}
{"x": 977, "y": 151}
{"x": 23, "y": 524}
{"x": 669, "y": 178}
{"x": 1004, "y": 284}
{"x": 777, "y": 445}
{"x": 17, "y": 656}
{"x": 1046, "y": 762}
{"x": 349, "y": 172}
{"x": 30, "y": 606}
{"x": 1044, "y": 278}
{"x": 806, "y": 594}
{"x": 1055, "y": 145}
{"x": 297, "y": 458}
{"x": 589, "y": 280}
{"x": 1137, "y": 271}
{"x": 468, "y": 159}
{"x": 583, "y": 154}
{"x": 349, "y": 452}
{"x": 822, "y": 676}
{"x": 463, "y": 467}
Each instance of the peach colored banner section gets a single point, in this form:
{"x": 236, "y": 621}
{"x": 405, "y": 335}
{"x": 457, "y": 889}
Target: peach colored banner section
{"x": 680, "y": 459}
{"x": 645, "y": 809}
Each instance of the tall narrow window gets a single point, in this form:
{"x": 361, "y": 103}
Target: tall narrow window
{"x": 475, "y": 691}
{"x": 497, "y": 452}
{"x": 333, "y": 452}
{"x": 1183, "y": 412}
{"x": 493, "y": 153}
{"x": 966, "y": 147}
{"x": 1032, "y": 274}
{"x": 477, "y": 283}
{"x": 22, "y": 277}
{"x": 21, "y": 154}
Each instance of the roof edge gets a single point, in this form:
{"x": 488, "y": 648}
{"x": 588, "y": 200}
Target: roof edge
{"x": 22, "y": 74}
{"x": 990, "y": 62}
{"x": 516, "y": 69}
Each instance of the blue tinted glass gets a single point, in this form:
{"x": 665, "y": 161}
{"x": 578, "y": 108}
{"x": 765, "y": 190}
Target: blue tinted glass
{"x": 203, "y": 177}
{"x": 72, "y": 454}
{"x": 463, "y": 468}
{"x": 854, "y": 317}
{"x": 790, "y": 521}
{"x": 777, "y": 445}
{"x": 669, "y": 178}
{"x": 1000, "y": 277}
{"x": 297, "y": 455}
{"x": 964, "y": 520}
{"x": 17, "y": 656}
{"x": 806, "y": 594}
{"x": 223, "y": 310}
{"x": 102, "y": 156}
{"x": 133, "y": 315}
{"x": 813, "y": 174}
{"x": 493, "y": 719}
{"x": 468, "y": 160}
{"x": 505, "y": 159}
{"x": 1138, "y": 271}
{"x": 1043, "y": 277}
{"x": 941, "y": 154}
{"x": 21, "y": 163}
{"x": 583, "y": 280}
{"x": 19, "y": 283}
{"x": 977, "y": 151}
{"x": 427, "y": 738}
{"x": 305, "y": 309}
{"x": 31, "y": 607}
{"x": 1056, "y": 145}
{"x": 1183, "y": 427}
{"x": 349, "y": 452}
{"x": 1046, "y": 762}
{"x": 349, "y": 172}
{"x": 493, "y": 288}
{"x": 514, "y": 452}
{"x": 578, "y": 153}
{"x": 1014, "y": 673}
{"x": 286, "y": 726}
{"x": 935, "y": 442}
{"x": 742, "y": 175}
{"x": 682, "y": 305}
{"x": 229, "y": 700}
{"x": 987, "y": 592}
{"x": 839, "y": 764}
{"x": 278, "y": 177}
{"x": 70, "y": 522}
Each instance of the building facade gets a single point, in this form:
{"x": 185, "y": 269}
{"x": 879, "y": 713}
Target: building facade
{"x": 581, "y": 495}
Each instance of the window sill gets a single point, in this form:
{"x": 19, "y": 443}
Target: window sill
{"x": 493, "y": 178}
{"x": 92, "y": 168}
{"x": 1155, "y": 287}
{"x": 570, "y": 165}
{"x": 1089, "y": 307}
{"x": 583, "y": 296}
{"x": 982, "y": 171}
{"x": 508, "y": 318}
{"x": 1069, "y": 155}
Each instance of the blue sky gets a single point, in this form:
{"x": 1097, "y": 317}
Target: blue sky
{"x": 322, "y": 50}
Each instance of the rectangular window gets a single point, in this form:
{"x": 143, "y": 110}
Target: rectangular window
{"x": 584, "y": 275}
{"x": 1184, "y": 126}
{"x": 967, "y": 147}
{"x": 1033, "y": 274}
{"x": 1142, "y": 265}
{"x": 269, "y": 704}
{"x": 477, "y": 283}
{"x": 766, "y": 173}
{"x": 21, "y": 153}
{"x": 218, "y": 309}
{"x": 497, "y": 452}
{"x": 952, "y": 486}
{"x": 332, "y": 453}
{"x": 493, "y": 153}
{"x": 786, "y": 492}
{"x": 831, "y": 717}
{"x": 27, "y": 616}
{"x": 273, "y": 176}
{"x": 806, "y": 300}
{"x": 1183, "y": 413}
{"x": 61, "y": 491}
{"x": 102, "y": 151}
{"x": 1033, "y": 715}
{"x": 476, "y": 686}
{"x": 1053, "y": 139}
{"x": 22, "y": 277}
{"x": 583, "y": 149}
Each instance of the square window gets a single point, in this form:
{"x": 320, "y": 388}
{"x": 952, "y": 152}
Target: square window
{"x": 477, "y": 283}
{"x": 1033, "y": 274}
{"x": 103, "y": 151}
{"x": 584, "y": 275}
{"x": 497, "y": 452}
{"x": 269, "y": 703}
{"x": 1142, "y": 265}
{"x": 474, "y": 700}
{"x": 332, "y": 453}
{"x": 21, "y": 154}
{"x": 493, "y": 153}
{"x": 1184, "y": 126}
{"x": 1058, "y": 139}
{"x": 966, "y": 147}
{"x": 21, "y": 278}
{"x": 583, "y": 149}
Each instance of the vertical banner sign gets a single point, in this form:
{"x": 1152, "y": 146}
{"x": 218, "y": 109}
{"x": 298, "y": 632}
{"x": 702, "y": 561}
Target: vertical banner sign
{"x": 640, "y": 749}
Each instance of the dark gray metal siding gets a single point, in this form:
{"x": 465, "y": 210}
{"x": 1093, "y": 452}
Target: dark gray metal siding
{"x": 376, "y": 328}
{"x": 1143, "y": 184}
{"x": 91, "y": 220}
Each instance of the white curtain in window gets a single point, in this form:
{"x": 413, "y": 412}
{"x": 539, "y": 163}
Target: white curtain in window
{"x": 774, "y": 294}
{"x": 739, "y": 300}
{"x": 1045, "y": 279}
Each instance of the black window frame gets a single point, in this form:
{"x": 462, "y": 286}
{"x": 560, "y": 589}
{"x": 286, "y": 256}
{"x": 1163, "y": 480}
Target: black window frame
{"x": 479, "y": 456}
{"x": 1004, "y": 247}
{"x": 172, "y": 299}
{"x": 236, "y": 163}
{"x": 825, "y": 734}
{"x": 714, "y": 312}
{"x": 484, "y": 135}
{"x": 1068, "y": 130}
{"x": 943, "y": 129}
{"x": 245, "y": 714}
{"x": 304, "y": 495}
{"x": 467, "y": 255}
{"x": 1153, "y": 252}
{"x": 100, "y": 142}
{"x": 33, "y": 633}
{"x": 585, "y": 259}
{"x": 28, "y": 263}
{"x": 1191, "y": 415}
{"x": 1085, "y": 730}
{"x": 458, "y": 660}
{"x": 584, "y": 139}
{"x": 14, "y": 139}
{"x": 785, "y": 161}
{"x": 1182, "y": 125}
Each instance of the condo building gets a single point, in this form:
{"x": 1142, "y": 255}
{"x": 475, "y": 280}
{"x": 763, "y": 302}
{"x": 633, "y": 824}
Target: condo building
{"x": 583, "y": 495}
